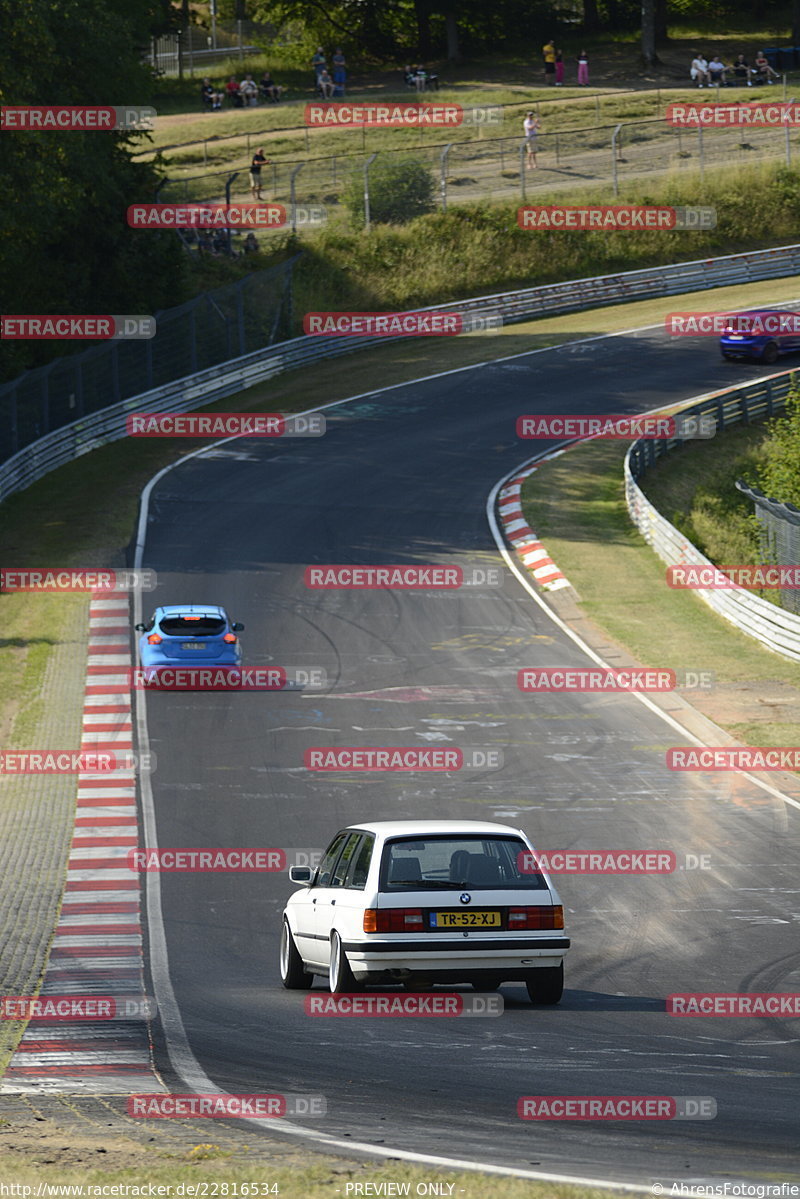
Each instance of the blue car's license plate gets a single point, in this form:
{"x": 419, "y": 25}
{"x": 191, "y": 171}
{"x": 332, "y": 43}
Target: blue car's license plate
{"x": 193, "y": 645}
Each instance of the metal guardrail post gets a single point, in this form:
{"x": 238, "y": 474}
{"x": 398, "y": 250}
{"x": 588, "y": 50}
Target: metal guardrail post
{"x": 443, "y": 174}
{"x": 614, "y": 156}
{"x": 700, "y": 150}
{"x": 228, "y": 185}
{"x": 292, "y": 196}
{"x": 786, "y": 129}
{"x": 367, "y": 165}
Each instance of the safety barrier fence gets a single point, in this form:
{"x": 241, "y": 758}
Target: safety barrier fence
{"x": 78, "y": 437}
{"x": 774, "y": 627}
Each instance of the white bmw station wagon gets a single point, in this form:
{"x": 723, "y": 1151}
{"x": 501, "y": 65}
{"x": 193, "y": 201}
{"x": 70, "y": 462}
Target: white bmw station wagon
{"x": 419, "y": 902}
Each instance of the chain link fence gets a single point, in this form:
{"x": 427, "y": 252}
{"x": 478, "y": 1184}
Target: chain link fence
{"x": 779, "y": 536}
{"x": 495, "y": 168}
{"x": 225, "y": 323}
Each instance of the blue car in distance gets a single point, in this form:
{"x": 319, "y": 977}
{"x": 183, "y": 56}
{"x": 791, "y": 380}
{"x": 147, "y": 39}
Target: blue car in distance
{"x": 189, "y": 635}
{"x": 762, "y": 333}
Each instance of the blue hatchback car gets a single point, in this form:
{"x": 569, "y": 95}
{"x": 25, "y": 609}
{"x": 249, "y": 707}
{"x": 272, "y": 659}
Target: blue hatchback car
{"x": 189, "y": 635}
{"x": 761, "y": 333}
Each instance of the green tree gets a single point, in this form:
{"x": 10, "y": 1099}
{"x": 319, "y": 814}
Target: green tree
{"x": 399, "y": 191}
{"x": 65, "y": 246}
{"x": 779, "y": 475}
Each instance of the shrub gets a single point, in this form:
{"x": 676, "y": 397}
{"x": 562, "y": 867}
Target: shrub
{"x": 399, "y": 191}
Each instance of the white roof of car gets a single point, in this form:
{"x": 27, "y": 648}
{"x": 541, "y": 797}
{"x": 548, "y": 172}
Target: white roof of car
{"x": 404, "y": 828}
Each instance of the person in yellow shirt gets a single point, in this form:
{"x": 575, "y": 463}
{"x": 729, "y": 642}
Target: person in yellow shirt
{"x": 549, "y": 53}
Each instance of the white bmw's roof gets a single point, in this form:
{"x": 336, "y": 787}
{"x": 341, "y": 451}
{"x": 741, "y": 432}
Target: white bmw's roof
{"x": 404, "y": 828}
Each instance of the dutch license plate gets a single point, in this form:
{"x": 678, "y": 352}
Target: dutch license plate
{"x": 193, "y": 645}
{"x": 465, "y": 920}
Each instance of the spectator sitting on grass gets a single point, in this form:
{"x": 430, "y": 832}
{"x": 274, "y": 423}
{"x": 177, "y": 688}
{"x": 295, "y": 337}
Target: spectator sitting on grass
{"x": 742, "y": 70}
{"x": 234, "y": 95}
{"x": 251, "y": 244}
{"x": 210, "y": 97}
{"x": 699, "y": 70}
{"x": 717, "y": 69}
{"x": 269, "y": 89}
{"x": 430, "y": 78}
{"x": 249, "y": 89}
{"x": 325, "y": 84}
{"x": 763, "y": 70}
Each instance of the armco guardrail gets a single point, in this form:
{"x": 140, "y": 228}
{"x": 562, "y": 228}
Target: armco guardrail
{"x": 774, "y": 627}
{"x": 71, "y": 441}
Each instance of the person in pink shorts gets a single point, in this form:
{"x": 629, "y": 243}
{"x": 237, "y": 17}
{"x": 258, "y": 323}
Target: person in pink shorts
{"x": 583, "y": 69}
{"x": 559, "y": 68}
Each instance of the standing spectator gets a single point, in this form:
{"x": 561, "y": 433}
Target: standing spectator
{"x": 763, "y": 69}
{"x": 531, "y": 127}
{"x": 249, "y": 89}
{"x": 319, "y": 63}
{"x": 559, "y": 68}
{"x": 339, "y": 69}
{"x": 409, "y": 76}
{"x": 255, "y": 173}
{"x": 699, "y": 70}
{"x": 583, "y": 69}
{"x": 234, "y": 95}
{"x": 549, "y": 54}
{"x": 325, "y": 84}
{"x": 743, "y": 71}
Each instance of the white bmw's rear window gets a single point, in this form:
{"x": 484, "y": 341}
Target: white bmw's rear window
{"x": 445, "y": 862}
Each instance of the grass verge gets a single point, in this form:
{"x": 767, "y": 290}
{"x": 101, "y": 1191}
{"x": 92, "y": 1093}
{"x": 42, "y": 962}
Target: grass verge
{"x": 327, "y": 1176}
{"x": 576, "y": 504}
